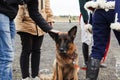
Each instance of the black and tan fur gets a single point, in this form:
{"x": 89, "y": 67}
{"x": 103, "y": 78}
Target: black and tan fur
{"x": 66, "y": 58}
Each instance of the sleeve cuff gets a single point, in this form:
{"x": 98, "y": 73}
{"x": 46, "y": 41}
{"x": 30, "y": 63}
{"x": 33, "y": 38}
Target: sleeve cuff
{"x": 88, "y": 26}
{"x": 115, "y": 26}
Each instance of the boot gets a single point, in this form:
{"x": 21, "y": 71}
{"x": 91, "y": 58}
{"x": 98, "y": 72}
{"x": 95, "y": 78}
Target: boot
{"x": 92, "y": 69}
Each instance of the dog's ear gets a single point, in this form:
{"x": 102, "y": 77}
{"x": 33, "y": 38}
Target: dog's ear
{"x": 54, "y": 35}
{"x": 72, "y": 32}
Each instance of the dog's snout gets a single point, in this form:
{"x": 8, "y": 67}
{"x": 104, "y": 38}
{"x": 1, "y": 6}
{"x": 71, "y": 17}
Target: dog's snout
{"x": 62, "y": 50}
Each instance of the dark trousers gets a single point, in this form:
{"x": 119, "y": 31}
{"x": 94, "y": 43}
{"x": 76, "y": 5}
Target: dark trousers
{"x": 31, "y": 45}
{"x": 101, "y": 31}
{"x": 85, "y": 51}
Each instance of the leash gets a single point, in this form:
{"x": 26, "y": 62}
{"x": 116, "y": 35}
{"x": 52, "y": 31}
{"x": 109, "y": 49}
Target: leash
{"x": 79, "y": 68}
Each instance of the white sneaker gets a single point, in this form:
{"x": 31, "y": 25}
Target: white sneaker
{"x": 26, "y": 78}
{"x": 36, "y": 78}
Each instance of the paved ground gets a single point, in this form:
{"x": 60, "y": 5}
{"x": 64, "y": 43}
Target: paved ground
{"x": 112, "y": 72}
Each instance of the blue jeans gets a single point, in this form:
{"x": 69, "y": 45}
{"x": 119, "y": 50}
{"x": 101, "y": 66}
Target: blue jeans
{"x": 7, "y": 35}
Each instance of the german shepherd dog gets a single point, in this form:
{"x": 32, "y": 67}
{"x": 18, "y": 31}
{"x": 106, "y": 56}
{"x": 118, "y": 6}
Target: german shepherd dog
{"x": 66, "y": 62}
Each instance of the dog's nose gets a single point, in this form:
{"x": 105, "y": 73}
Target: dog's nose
{"x": 62, "y": 50}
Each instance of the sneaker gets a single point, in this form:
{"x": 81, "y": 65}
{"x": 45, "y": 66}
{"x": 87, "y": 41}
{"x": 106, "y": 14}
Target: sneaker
{"x": 84, "y": 65}
{"x": 103, "y": 65}
{"x": 26, "y": 78}
{"x": 36, "y": 78}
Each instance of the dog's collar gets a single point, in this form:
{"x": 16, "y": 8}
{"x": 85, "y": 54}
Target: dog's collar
{"x": 73, "y": 56}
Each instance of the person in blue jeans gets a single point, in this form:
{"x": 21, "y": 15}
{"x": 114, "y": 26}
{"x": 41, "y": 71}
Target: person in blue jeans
{"x": 104, "y": 15}
{"x": 7, "y": 35}
{"x": 8, "y": 11}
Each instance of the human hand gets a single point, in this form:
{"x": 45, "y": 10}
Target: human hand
{"x": 88, "y": 27}
{"x": 53, "y": 31}
{"x": 50, "y": 23}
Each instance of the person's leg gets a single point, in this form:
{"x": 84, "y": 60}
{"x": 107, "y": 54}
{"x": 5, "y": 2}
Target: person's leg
{"x": 26, "y": 41}
{"x": 101, "y": 33}
{"x": 35, "y": 56}
{"x": 85, "y": 50}
{"x": 13, "y": 32}
{"x": 7, "y": 34}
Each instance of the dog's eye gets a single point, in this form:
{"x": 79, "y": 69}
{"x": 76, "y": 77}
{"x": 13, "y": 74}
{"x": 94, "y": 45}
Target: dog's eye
{"x": 67, "y": 40}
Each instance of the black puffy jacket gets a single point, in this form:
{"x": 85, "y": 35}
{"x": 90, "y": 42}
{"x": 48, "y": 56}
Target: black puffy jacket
{"x": 10, "y": 8}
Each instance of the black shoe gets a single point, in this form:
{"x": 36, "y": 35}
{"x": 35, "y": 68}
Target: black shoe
{"x": 92, "y": 69}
